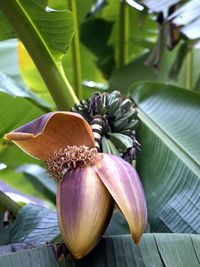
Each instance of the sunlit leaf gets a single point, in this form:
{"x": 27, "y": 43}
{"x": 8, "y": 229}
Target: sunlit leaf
{"x": 31, "y": 75}
{"x": 47, "y": 35}
{"x": 46, "y": 22}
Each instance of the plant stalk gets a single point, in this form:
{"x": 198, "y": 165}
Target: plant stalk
{"x": 189, "y": 69}
{"x": 123, "y": 33}
{"x": 52, "y": 73}
{"x": 76, "y": 51}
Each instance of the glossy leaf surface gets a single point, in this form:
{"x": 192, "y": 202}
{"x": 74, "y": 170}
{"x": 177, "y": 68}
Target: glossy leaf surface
{"x": 169, "y": 164}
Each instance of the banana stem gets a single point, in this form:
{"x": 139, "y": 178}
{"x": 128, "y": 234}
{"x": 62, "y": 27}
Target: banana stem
{"x": 189, "y": 69}
{"x": 76, "y": 51}
{"x": 123, "y": 33}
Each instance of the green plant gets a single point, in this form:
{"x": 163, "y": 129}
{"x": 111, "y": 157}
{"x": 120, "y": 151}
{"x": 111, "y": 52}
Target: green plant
{"x": 65, "y": 52}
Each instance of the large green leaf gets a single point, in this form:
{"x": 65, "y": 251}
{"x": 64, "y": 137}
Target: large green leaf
{"x": 46, "y": 35}
{"x": 9, "y": 66}
{"x": 48, "y": 22}
{"x": 34, "y": 224}
{"x": 169, "y": 164}
{"x": 159, "y": 250}
{"x": 27, "y": 256}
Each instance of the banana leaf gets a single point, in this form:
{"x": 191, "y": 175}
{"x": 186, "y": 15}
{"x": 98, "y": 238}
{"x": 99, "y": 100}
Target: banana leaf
{"x": 46, "y": 34}
{"x": 169, "y": 163}
{"x": 34, "y": 224}
{"x": 159, "y": 250}
{"x": 33, "y": 256}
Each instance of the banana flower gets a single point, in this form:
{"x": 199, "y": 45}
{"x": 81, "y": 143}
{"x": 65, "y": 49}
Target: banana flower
{"x": 89, "y": 183}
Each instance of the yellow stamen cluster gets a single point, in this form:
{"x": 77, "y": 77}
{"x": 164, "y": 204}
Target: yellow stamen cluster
{"x": 71, "y": 157}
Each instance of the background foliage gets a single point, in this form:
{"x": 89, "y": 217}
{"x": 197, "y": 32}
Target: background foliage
{"x": 148, "y": 50}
